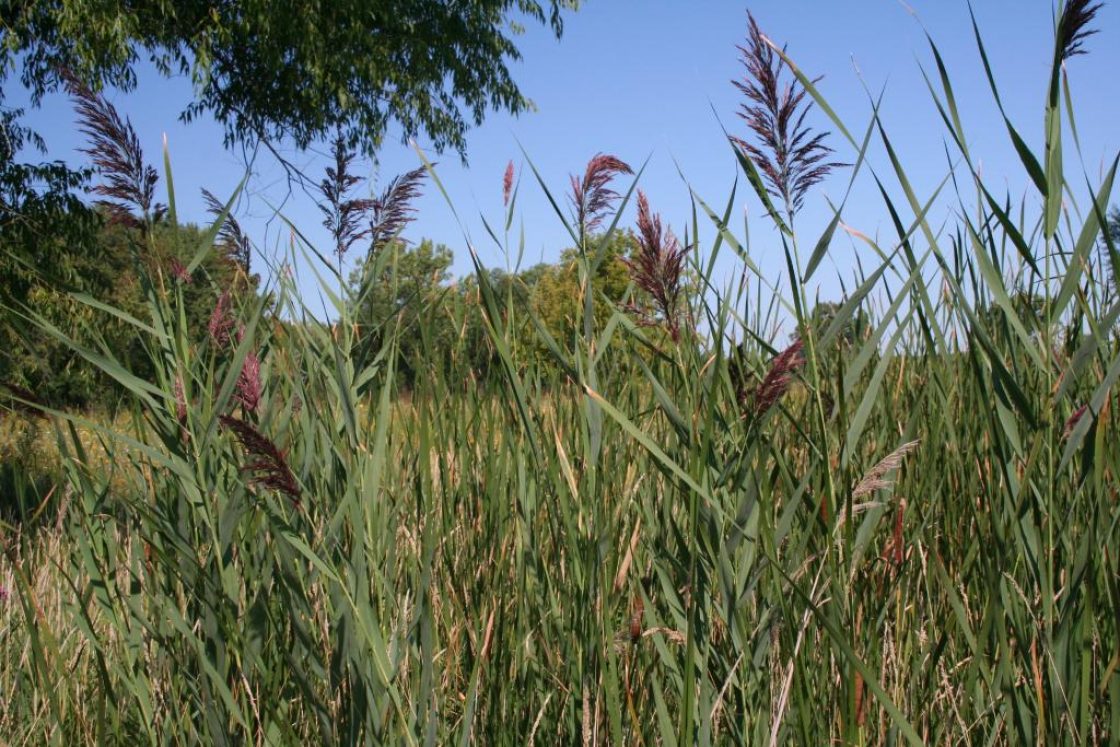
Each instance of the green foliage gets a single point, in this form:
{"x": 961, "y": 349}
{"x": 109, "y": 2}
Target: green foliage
{"x": 897, "y": 530}
{"x": 1110, "y": 252}
{"x": 41, "y": 219}
{"x": 412, "y": 284}
{"x": 556, "y": 288}
{"x": 114, "y": 268}
{"x": 296, "y": 71}
{"x": 403, "y": 288}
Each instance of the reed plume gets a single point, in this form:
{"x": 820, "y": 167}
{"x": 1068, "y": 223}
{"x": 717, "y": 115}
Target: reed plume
{"x": 221, "y": 321}
{"x": 248, "y": 388}
{"x": 232, "y": 238}
{"x": 789, "y": 155}
{"x": 507, "y": 183}
{"x": 656, "y": 268}
{"x": 129, "y": 183}
{"x": 875, "y": 478}
{"x": 179, "y": 271}
{"x": 393, "y": 210}
{"x": 343, "y": 214}
{"x": 180, "y": 401}
{"x": 268, "y": 465}
{"x": 592, "y": 196}
{"x": 1074, "y": 419}
{"x": 776, "y": 382}
{"x": 1073, "y": 27}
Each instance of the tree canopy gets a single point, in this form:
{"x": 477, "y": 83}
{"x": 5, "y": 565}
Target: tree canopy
{"x": 298, "y": 70}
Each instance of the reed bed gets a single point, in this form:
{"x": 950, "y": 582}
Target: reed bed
{"x": 897, "y": 525}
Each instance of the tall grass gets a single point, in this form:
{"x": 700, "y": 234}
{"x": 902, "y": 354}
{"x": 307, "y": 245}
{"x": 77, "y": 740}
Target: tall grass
{"x": 905, "y": 533}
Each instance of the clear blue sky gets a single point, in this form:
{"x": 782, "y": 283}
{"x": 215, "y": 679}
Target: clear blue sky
{"x": 641, "y": 78}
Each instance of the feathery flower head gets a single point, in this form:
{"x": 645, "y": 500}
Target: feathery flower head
{"x": 507, "y": 183}
{"x": 180, "y": 401}
{"x": 248, "y": 388}
{"x": 115, "y": 152}
{"x": 342, "y": 213}
{"x": 179, "y": 271}
{"x": 656, "y": 268}
{"x": 1073, "y": 27}
{"x": 591, "y": 196}
{"x": 393, "y": 210}
{"x": 268, "y": 467}
{"x": 787, "y": 153}
{"x": 221, "y": 322}
{"x": 777, "y": 381}
{"x": 875, "y": 479}
{"x": 230, "y": 236}
{"x": 1073, "y": 420}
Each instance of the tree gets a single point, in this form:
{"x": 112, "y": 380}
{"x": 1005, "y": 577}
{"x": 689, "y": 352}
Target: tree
{"x": 851, "y": 332}
{"x": 404, "y": 286}
{"x": 112, "y": 269}
{"x": 41, "y": 219}
{"x": 556, "y": 293}
{"x": 292, "y": 69}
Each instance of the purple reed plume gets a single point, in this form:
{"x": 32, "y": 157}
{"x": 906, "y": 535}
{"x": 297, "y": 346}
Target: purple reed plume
{"x": 1074, "y": 419}
{"x": 248, "y": 388}
{"x": 592, "y": 196}
{"x": 115, "y": 152}
{"x": 343, "y": 214}
{"x": 791, "y": 158}
{"x": 777, "y": 381}
{"x": 1073, "y": 27}
{"x": 656, "y": 268}
{"x": 180, "y": 401}
{"x": 393, "y": 210}
{"x": 230, "y": 236}
{"x": 507, "y": 183}
{"x": 221, "y": 322}
{"x": 179, "y": 271}
{"x": 268, "y": 465}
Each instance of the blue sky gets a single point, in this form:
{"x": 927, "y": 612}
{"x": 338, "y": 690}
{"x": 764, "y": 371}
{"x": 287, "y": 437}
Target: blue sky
{"x": 652, "y": 78}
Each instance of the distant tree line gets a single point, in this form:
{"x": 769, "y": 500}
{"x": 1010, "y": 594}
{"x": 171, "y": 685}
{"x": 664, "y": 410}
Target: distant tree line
{"x": 44, "y": 278}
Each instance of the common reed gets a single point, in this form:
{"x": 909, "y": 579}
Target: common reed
{"x": 231, "y": 237}
{"x": 507, "y": 183}
{"x": 344, "y": 216}
{"x": 591, "y": 196}
{"x": 615, "y": 540}
{"x": 657, "y": 269}
{"x": 791, "y": 157}
{"x": 393, "y": 209}
{"x": 267, "y": 465}
{"x": 128, "y": 182}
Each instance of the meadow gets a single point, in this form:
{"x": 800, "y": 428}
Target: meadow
{"x": 895, "y": 520}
